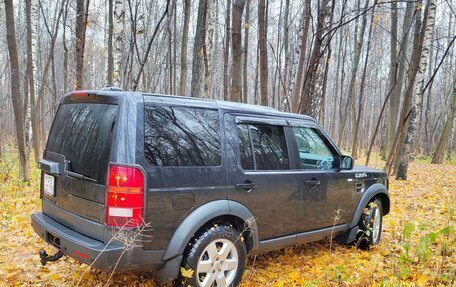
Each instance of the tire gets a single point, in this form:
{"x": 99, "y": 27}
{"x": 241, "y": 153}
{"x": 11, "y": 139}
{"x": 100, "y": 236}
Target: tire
{"x": 217, "y": 257}
{"x": 370, "y": 225}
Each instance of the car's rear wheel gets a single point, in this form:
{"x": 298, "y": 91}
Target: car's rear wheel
{"x": 215, "y": 258}
{"x": 370, "y": 225}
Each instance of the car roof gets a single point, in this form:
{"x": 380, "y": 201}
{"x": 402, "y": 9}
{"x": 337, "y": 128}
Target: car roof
{"x": 233, "y": 107}
{"x": 229, "y": 106}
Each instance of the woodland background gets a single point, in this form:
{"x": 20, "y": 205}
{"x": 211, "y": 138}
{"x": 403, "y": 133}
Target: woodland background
{"x": 379, "y": 76}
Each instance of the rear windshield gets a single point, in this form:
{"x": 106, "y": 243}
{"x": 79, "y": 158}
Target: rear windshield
{"x": 82, "y": 133}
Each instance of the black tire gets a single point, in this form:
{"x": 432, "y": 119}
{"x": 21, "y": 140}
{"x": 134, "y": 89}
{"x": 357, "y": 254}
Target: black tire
{"x": 220, "y": 235}
{"x": 370, "y": 225}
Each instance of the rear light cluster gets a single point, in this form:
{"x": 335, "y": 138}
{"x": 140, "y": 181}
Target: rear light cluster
{"x": 125, "y": 197}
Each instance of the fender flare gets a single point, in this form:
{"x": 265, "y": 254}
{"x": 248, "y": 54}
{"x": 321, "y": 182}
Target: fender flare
{"x": 200, "y": 216}
{"x": 373, "y": 191}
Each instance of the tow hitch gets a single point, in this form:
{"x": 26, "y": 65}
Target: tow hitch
{"x": 44, "y": 257}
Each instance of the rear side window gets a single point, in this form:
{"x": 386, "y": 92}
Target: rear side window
{"x": 83, "y": 133}
{"x": 269, "y": 147}
{"x": 182, "y": 136}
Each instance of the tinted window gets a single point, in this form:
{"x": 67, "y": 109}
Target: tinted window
{"x": 180, "y": 136}
{"x": 313, "y": 152}
{"x": 245, "y": 147}
{"x": 83, "y": 134}
{"x": 269, "y": 147}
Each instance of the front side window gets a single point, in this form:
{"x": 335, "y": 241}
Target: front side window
{"x": 313, "y": 151}
{"x": 182, "y": 136}
{"x": 269, "y": 147}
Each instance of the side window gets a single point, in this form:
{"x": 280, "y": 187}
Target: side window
{"x": 313, "y": 152}
{"x": 269, "y": 147}
{"x": 181, "y": 136}
{"x": 245, "y": 148}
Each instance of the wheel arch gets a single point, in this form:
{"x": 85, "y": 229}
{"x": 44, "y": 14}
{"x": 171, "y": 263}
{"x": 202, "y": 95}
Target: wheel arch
{"x": 376, "y": 190}
{"x": 209, "y": 213}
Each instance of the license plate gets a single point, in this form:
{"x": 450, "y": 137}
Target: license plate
{"x": 49, "y": 185}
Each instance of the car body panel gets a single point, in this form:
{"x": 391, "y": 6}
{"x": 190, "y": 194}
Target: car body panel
{"x": 280, "y": 210}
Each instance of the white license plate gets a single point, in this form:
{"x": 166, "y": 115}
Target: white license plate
{"x": 49, "y": 184}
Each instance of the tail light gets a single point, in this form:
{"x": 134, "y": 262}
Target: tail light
{"x": 125, "y": 197}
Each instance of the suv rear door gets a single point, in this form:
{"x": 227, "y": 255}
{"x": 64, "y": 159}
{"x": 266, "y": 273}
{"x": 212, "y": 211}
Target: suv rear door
{"x": 76, "y": 159}
{"x": 260, "y": 173}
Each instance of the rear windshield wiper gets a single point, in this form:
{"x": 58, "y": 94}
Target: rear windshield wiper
{"x": 75, "y": 174}
{"x": 80, "y": 176}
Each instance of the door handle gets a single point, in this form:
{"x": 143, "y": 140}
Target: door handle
{"x": 312, "y": 182}
{"x": 247, "y": 185}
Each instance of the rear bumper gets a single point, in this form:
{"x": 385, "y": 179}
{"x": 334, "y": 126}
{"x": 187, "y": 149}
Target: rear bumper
{"x": 99, "y": 255}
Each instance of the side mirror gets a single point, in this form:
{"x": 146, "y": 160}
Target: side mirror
{"x": 346, "y": 162}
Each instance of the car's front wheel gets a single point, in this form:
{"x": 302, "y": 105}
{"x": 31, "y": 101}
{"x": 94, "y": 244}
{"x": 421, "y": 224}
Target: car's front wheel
{"x": 370, "y": 225}
{"x": 217, "y": 257}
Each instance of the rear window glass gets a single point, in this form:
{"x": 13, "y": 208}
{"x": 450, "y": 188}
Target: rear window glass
{"x": 83, "y": 133}
{"x": 181, "y": 136}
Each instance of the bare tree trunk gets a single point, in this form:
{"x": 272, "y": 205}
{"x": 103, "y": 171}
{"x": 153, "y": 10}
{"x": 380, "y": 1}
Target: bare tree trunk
{"x": 16, "y": 97}
{"x": 245, "y": 52}
{"x": 321, "y": 114}
{"x": 65, "y": 50}
{"x": 429, "y": 21}
{"x": 301, "y": 50}
{"x": 209, "y": 62}
{"x": 400, "y": 64}
{"x": 183, "y": 60}
{"x": 199, "y": 50}
{"x": 30, "y": 74}
{"x": 286, "y": 47}
{"x": 357, "y": 116}
{"x": 312, "y": 86}
{"x": 413, "y": 70}
{"x": 442, "y": 146}
{"x": 171, "y": 65}
{"x": 236, "y": 80}
{"x": 351, "y": 105}
{"x": 226, "y": 50}
{"x": 143, "y": 61}
{"x": 262, "y": 44}
{"x": 109, "y": 73}
{"x": 119, "y": 20}
{"x": 393, "y": 107}
{"x": 81, "y": 18}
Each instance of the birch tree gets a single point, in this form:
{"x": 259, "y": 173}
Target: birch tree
{"x": 428, "y": 26}
{"x": 118, "y": 28}
{"x": 312, "y": 86}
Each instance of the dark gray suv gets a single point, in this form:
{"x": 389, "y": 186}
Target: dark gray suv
{"x": 194, "y": 183}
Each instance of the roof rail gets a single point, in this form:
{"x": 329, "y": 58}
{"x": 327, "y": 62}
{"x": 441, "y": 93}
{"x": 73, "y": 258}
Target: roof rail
{"x": 112, "y": 89}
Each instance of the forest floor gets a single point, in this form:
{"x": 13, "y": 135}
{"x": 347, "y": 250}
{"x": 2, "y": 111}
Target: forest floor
{"x": 418, "y": 246}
